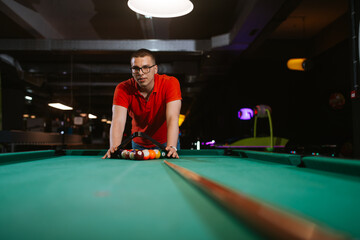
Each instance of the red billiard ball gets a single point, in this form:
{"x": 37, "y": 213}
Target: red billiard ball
{"x": 127, "y": 154}
{"x": 139, "y": 155}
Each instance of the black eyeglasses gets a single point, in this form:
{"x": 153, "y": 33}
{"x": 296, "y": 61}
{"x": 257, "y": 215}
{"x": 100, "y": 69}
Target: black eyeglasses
{"x": 144, "y": 69}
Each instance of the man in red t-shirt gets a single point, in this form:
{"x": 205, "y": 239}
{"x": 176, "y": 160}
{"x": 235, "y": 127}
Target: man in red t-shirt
{"x": 153, "y": 102}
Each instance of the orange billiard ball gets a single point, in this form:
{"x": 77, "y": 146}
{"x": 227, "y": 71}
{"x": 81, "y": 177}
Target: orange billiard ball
{"x": 152, "y": 154}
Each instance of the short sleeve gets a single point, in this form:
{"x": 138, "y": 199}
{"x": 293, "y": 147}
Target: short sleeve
{"x": 121, "y": 95}
{"x": 173, "y": 91}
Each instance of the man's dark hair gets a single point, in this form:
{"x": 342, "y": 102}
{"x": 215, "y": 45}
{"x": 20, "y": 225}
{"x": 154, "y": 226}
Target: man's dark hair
{"x": 143, "y": 53}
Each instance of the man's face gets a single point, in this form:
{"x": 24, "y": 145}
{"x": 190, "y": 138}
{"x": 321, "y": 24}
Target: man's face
{"x": 146, "y": 63}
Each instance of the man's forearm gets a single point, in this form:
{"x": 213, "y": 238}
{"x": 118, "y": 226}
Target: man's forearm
{"x": 117, "y": 125}
{"x": 116, "y": 129}
{"x": 173, "y": 133}
{"x": 116, "y": 134}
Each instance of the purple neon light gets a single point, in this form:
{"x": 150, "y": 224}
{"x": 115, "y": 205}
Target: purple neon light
{"x": 245, "y": 113}
{"x": 211, "y": 143}
{"x": 225, "y": 146}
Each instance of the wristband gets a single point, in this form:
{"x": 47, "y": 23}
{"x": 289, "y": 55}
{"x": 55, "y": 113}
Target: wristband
{"x": 173, "y": 147}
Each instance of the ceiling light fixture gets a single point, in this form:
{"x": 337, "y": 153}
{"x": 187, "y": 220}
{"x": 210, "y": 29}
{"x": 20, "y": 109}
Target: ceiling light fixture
{"x": 60, "y": 106}
{"x": 92, "y": 116}
{"x": 161, "y": 8}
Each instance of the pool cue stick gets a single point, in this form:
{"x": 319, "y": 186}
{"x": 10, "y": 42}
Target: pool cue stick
{"x": 134, "y": 135}
{"x": 268, "y": 220}
{"x": 156, "y": 143}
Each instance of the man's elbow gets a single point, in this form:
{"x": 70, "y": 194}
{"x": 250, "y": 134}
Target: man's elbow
{"x": 173, "y": 121}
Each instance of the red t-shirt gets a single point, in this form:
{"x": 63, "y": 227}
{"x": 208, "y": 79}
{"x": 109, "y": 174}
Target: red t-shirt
{"x": 148, "y": 116}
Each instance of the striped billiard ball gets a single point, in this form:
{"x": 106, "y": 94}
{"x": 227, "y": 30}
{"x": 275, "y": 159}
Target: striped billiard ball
{"x": 123, "y": 154}
{"x": 132, "y": 155}
{"x": 157, "y": 153}
{"x": 145, "y": 154}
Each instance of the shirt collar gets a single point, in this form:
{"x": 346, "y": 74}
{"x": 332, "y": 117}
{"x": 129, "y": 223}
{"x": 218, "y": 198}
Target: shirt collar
{"x": 156, "y": 84}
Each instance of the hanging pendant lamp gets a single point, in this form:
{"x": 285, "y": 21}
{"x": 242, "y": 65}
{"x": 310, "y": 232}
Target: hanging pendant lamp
{"x": 161, "y": 8}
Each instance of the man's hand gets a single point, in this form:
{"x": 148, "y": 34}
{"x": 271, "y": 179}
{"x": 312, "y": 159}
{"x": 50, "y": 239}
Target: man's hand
{"x": 172, "y": 152}
{"x": 109, "y": 152}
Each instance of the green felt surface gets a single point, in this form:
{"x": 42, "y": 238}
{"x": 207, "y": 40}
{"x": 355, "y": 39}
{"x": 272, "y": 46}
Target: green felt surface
{"x": 85, "y": 197}
{"x": 329, "y": 199}
{"x": 81, "y": 196}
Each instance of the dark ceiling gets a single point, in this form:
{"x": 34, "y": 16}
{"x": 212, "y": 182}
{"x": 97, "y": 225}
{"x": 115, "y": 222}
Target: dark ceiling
{"x": 78, "y": 51}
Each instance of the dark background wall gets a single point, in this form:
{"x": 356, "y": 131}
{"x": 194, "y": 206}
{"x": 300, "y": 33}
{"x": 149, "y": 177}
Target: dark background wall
{"x": 12, "y": 93}
{"x": 299, "y": 100}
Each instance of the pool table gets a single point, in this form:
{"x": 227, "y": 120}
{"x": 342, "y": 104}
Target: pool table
{"x": 75, "y": 194}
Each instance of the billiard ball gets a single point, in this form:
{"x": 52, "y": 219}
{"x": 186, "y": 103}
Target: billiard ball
{"x": 132, "y": 154}
{"x": 127, "y": 154}
{"x": 152, "y": 154}
{"x": 163, "y": 154}
{"x": 145, "y": 154}
{"x": 123, "y": 154}
{"x": 157, "y": 153}
{"x": 139, "y": 155}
